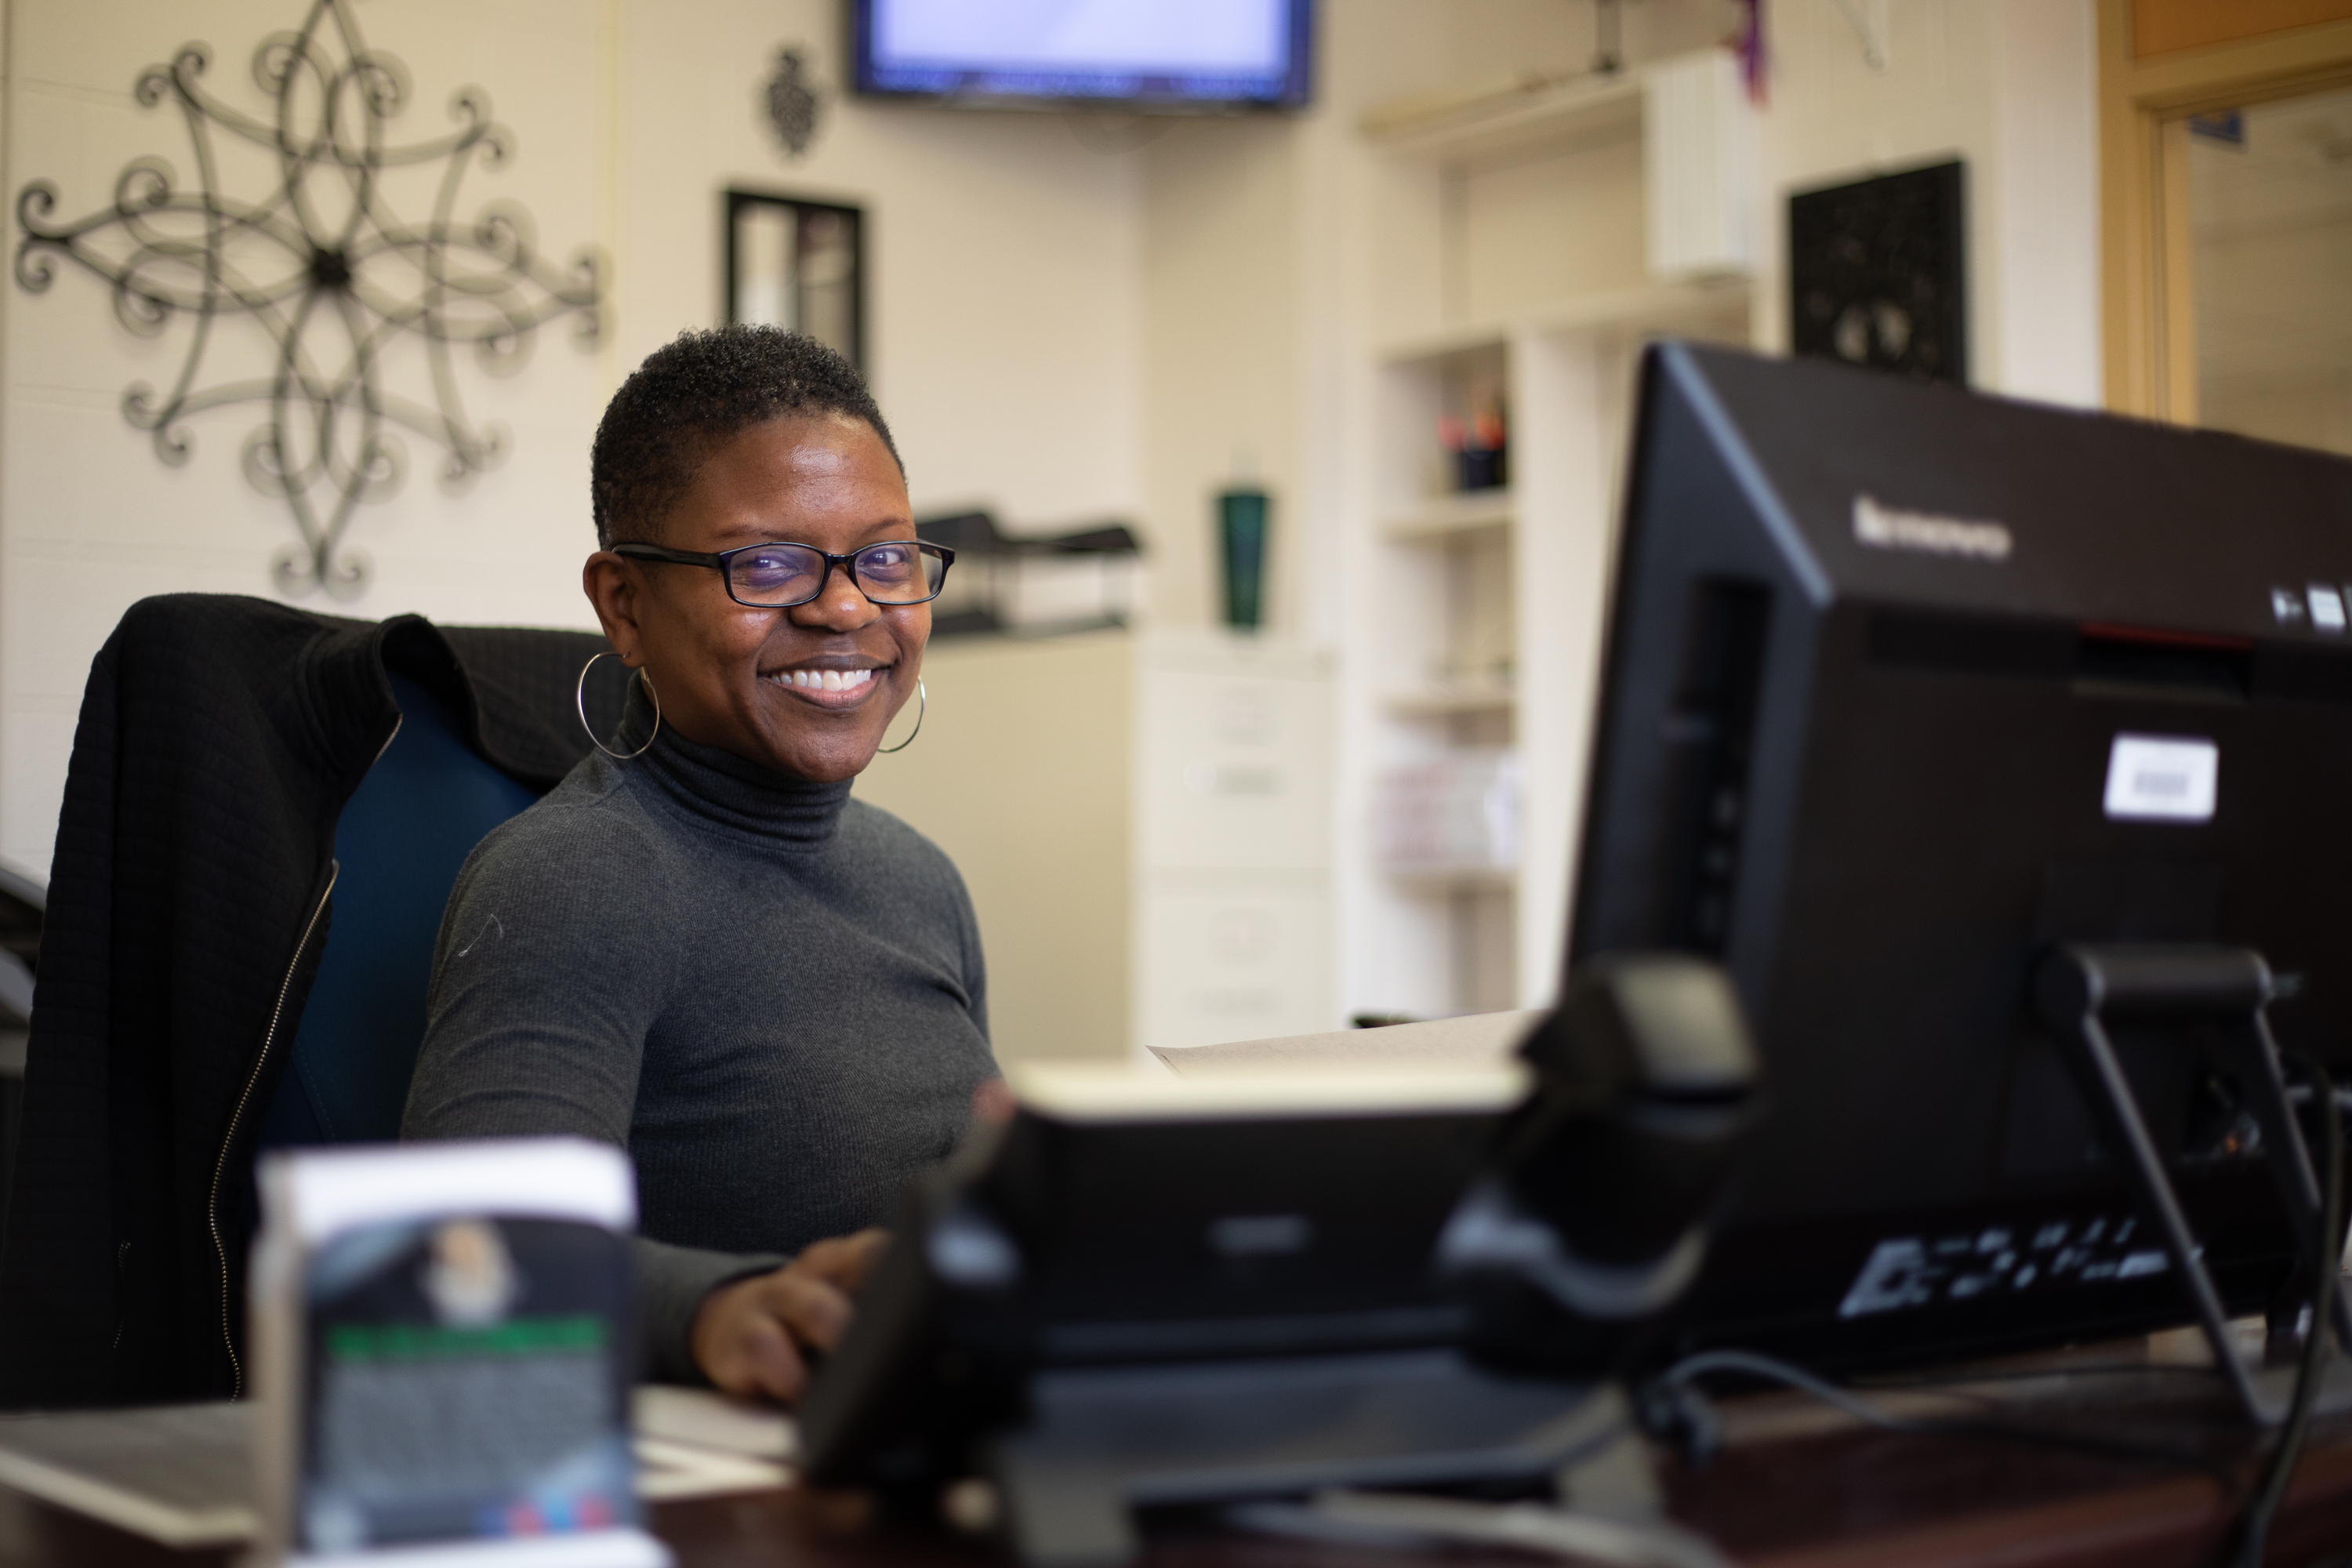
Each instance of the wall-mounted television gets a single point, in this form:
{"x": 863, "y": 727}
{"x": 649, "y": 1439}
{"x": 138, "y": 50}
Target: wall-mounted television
{"x": 1157, "y": 56}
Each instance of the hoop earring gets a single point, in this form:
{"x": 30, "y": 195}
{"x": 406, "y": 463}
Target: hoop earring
{"x": 922, "y": 706}
{"x": 579, "y": 703}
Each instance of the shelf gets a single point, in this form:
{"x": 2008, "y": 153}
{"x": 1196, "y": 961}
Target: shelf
{"x": 1444, "y": 518}
{"x": 1452, "y": 878}
{"x": 1431, "y": 351}
{"x": 1443, "y": 701}
{"x": 1478, "y": 124}
{"x": 1647, "y": 306}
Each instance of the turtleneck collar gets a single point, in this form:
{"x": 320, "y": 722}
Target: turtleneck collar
{"x": 721, "y": 788}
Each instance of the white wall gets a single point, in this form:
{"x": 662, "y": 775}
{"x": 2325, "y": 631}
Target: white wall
{"x": 2011, "y": 87}
{"x": 1004, "y": 282}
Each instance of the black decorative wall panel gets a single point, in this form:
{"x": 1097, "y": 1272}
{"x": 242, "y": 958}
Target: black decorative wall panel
{"x": 1877, "y": 273}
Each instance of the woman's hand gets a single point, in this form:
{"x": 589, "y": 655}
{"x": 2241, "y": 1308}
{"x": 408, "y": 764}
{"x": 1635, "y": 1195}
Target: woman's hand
{"x": 750, "y": 1337}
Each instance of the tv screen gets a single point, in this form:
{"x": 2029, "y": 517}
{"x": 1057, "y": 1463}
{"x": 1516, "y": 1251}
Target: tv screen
{"x": 1161, "y": 55}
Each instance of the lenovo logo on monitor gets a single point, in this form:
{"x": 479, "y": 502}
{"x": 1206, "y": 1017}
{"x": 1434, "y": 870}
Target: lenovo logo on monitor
{"x": 1890, "y": 528}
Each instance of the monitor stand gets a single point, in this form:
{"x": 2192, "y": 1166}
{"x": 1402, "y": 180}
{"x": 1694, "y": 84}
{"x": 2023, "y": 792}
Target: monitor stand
{"x": 1100, "y": 1442}
{"x": 2080, "y": 989}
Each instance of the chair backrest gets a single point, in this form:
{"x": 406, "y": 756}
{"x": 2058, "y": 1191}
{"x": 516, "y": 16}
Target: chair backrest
{"x": 399, "y": 843}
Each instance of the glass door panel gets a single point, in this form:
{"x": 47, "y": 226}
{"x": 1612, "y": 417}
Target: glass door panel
{"x": 2269, "y": 193}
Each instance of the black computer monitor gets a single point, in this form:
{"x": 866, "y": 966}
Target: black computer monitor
{"x": 1904, "y": 686}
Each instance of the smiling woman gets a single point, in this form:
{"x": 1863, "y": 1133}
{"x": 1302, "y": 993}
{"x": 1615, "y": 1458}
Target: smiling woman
{"x": 774, "y": 508}
{"x": 698, "y": 947}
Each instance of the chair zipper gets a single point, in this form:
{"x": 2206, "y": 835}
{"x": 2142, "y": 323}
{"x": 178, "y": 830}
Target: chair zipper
{"x": 244, "y": 1096}
{"x": 229, "y": 1139}
{"x": 121, "y": 1291}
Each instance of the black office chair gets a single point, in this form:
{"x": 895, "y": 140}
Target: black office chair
{"x": 399, "y": 842}
{"x": 21, "y": 901}
{"x": 264, "y": 813}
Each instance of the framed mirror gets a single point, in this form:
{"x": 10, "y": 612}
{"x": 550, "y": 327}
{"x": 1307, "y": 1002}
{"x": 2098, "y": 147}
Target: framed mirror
{"x": 797, "y": 264}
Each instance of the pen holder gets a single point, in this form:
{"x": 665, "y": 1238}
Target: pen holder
{"x": 1482, "y": 469}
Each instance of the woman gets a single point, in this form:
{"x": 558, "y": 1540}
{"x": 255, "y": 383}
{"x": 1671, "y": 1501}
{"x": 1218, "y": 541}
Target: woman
{"x": 697, "y": 946}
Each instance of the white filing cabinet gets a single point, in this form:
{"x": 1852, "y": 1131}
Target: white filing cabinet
{"x": 1232, "y": 844}
{"x": 1144, "y": 820}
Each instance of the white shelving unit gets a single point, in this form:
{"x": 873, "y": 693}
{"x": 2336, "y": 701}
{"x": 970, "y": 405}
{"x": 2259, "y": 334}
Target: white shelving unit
{"x": 1482, "y": 624}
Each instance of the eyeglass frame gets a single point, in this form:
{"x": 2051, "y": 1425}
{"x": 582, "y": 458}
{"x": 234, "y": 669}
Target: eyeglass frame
{"x": 723, "y": 562}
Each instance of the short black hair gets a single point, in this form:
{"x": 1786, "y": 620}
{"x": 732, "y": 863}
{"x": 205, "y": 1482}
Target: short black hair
{"x": 693, "y": 394}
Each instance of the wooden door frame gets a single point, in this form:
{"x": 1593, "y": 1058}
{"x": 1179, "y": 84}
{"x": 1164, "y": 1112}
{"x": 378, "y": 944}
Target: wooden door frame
{"x": 2149, "y": 309}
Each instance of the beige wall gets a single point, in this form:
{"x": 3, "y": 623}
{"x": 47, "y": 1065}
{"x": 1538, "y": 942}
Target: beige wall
{"x": 1003, "y": 284}
{"x": 1005, "y": 289}
{"x": 1023, "y": 772}
{"x": 1222, "y": 349}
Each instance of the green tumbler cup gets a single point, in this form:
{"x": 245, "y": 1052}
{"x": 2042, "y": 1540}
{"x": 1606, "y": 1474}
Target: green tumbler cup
{"x": 1242, "y": 516}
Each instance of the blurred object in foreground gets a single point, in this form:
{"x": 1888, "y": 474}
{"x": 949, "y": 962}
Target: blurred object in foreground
{"x": 1215, "y": 1285}
{"x": 1185, "y": 1290}
{"x": 444, "y": 1341}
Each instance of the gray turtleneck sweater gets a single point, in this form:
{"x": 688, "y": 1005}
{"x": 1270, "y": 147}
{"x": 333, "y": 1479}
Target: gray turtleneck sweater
{"x": 770, "y": 995}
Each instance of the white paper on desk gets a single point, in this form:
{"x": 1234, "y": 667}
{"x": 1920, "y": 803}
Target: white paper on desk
{"x": 703, "y": 1419}
{"x": 668, "y": 1471}
{"x": 181, "y": 1474}
{"x": 694, "y": 1442}
{"x": 1097, "y": 1093}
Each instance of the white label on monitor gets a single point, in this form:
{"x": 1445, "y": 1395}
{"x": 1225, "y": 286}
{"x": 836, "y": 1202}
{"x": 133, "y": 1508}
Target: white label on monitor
{"x": 2162, "y": 778}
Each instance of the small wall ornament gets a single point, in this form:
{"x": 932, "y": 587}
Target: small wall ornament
{"x": 793, "y": 102}
{"x": 326, "y": 270}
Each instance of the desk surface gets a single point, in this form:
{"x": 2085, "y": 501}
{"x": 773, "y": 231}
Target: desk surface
{"x": 1797, "y": 1488}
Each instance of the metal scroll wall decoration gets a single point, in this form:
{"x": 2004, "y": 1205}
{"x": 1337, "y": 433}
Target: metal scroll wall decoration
{"x": 335, "y": 281}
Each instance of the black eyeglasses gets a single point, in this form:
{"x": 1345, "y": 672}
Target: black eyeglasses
{"x": 778, "y": 576}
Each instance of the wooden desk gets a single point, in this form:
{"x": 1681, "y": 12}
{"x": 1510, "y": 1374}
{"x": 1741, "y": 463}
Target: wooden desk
{"x": 1797, "y": 1488}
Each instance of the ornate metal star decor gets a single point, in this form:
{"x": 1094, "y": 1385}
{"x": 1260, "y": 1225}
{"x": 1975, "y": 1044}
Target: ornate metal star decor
{"x": 793, "y": 102}
{"x": 336, "y": 281}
